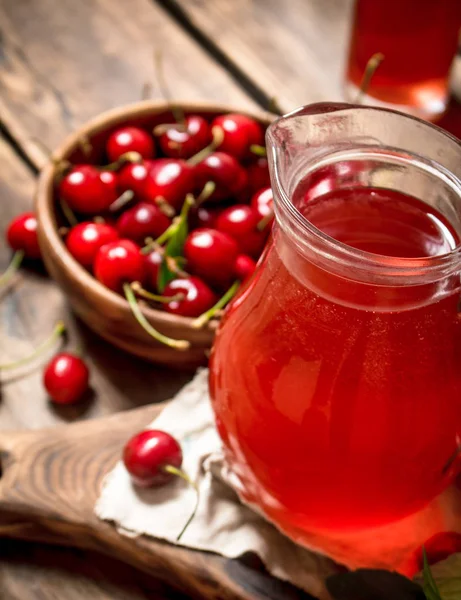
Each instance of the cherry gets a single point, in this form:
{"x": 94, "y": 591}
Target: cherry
{"x": 66, "y": 378}
{"x": 169, "y": 180}
{"x": 211, "y": 254}
{"x": 240, "y": 133}
{"x": 130, "y": 139}
{"x": 119, "y": 262}
{"x": 183, "y": 141}
{"x": 244, "y": 267}
{"x": 85, "y": 239}
{"x": 133, "y": 176}
{"x": 146, "y": 455}
{"x": 258, "y": 175}
{"x": 152, "y": 262}
{"x": 204, "y": 217}
{"x": 142, "y": 221}
{"x": 241, "y": 223}
{"x": 225, "y": 172}
{"x": 198, "y": 297}
{"x": 263, "y": 202}
{"x": 22, "y": 235}
{"x": 87, "y": 190}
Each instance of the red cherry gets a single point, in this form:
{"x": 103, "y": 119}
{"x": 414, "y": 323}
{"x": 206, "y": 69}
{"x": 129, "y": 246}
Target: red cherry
{"x": 225, "y": 171}
{"x": 142, "y": 221}
{"x": 85, "y": 239}
{"x": 66, "y": 378}
{"x": 177, "y": 143}
{"x": 258, "y": 175}
{"x": 87, "y": 190}
{"x": 241, "y": 223}
{"x": 133, "y": 176}
{"x": 119, "y": 262}
{"x": 244, "y": 267}
{"x": 211, "y": 254}
{"x": 204, "y": 217}
{"x": 22, "y": 235}
{"x": 130, "y": 139}
{"x": 152, "y": 262}
{"x": 198, "y": 297}
{"x": 240, "y": 133}
{"x": 147, "y": 453}
{"x": 169, "y": 179}
{"x": 263, "y": 202}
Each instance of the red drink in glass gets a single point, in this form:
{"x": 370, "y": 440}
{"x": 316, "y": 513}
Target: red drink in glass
{"x": 335, "y": 376}
{"x": 418, "y": 39}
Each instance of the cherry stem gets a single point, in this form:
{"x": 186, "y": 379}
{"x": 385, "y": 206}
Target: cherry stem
{"x": 180, "y": 473}
{"x": 141, "y": 319}
{"x": 68, "y": 213}
{"x": 58, "y": 330}
{"x": 100, "y": 220}
{"x": 128, "y": 157}
{"x": 258, "y": 150}
{"x": 218, "y": 136}
{"x": 121, "y": 201}
{"x": 370, "y": 70}
{"x": 264, "y": 222}
{"x": 200, "y": 321}
{"x": 164, "y": 206}
{"x": 142, "y": 293}
{"x": 14, "y": 265}
{"x": 206, "y": 192}
{"x": 164, "y": 127}
{"x": 177, "y": 111}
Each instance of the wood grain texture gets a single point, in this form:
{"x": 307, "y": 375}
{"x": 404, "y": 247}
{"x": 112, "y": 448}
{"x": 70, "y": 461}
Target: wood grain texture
{"x": 64, "y": 62}
{"x": 293, "y": 50}
{"x": 50, "y": 483}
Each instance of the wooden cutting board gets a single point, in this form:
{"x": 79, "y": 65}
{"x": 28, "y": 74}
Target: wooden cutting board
{"x": 51, "y": 480}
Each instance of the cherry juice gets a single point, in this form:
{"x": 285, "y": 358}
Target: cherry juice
{"x": 418, "y": 39}
{"x": 339, "y": 407}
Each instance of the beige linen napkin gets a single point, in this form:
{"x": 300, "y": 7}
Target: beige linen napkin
{"x": 226, "y": 526}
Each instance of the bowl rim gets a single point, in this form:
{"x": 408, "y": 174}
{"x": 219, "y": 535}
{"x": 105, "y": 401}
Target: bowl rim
{"x": 45, "y": 189}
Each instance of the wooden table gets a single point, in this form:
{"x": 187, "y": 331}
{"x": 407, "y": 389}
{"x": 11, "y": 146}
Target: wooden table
{"x": 62, "y": 63}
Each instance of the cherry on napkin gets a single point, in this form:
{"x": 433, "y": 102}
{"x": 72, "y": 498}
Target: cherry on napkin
{"x": 222, "y": 524}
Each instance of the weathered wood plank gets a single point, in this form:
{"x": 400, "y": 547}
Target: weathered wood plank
{"x": 41, "y": 572}
{"x": 64, "y": 62}
{"x": 293, "y": 50}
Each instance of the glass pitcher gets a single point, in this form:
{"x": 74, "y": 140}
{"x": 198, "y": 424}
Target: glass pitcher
{"x": 336, "y": 374}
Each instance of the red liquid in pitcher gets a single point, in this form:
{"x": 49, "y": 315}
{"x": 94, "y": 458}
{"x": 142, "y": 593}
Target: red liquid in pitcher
{"x": 339, "y": 409}
{"x": 418, "y": 39}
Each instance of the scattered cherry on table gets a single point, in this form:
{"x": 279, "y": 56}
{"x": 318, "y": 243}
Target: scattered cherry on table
{"x": 66, "y": 378}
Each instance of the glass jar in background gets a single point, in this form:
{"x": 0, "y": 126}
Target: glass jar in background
{"x": 418, "y": 39}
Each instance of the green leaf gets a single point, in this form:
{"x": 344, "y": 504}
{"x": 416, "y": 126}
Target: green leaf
{"x": 175, "y": 245}
{"x": 442, "y": 581}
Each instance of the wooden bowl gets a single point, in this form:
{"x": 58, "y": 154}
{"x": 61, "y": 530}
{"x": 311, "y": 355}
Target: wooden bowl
{"x": 104, "y": 311}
